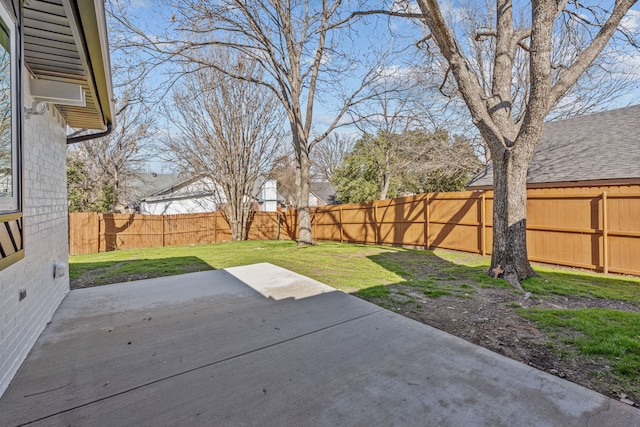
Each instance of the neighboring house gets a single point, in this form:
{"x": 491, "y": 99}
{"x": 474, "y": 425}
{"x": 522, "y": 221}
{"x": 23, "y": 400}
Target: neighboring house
{"x": 201, "y": 194}
{"x": 193, "y": 195}
{"x": 595, "y": 152}
{"x": 54, "y": 73}
{"x": 141, "y": 185}
{"x": 269, "y": 198}
{"x": 322, "y": 194}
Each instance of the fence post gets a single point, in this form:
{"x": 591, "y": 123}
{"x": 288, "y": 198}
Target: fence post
{"x": 314, "y": 224}
{"x": 99, "y": 216}
{"x": 163, "y": 238}
{"x": 340, "y": 223}
{"x": 426, "y": 222}
{"x": 375, "y": 222}
{"x": 605, "y": 233}
{"x": 483, "y": 221}
{"x": 215, "y": 227}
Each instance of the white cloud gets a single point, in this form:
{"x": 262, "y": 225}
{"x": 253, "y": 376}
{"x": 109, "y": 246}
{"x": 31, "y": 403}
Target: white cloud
{"x": 631, "y": 21}
{"x": 452, "y": 13}
{"x": 628, "y": 64}
{"x": 396, "y": 72}
{"x": 141, "y": 4}
{"x": 326, "y": 119}
{"x": 405, "y": 6}
{"x": 308, "y": 61}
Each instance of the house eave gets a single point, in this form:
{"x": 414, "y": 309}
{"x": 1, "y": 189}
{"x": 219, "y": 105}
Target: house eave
{"x": 94, "y": 26}
{"x": 66, "y": 41}
{"x": 170, "y": 197}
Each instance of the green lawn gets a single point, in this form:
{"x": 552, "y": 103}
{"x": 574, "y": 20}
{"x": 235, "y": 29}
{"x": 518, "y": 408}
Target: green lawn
{"x": 347, "y": 267}
{"x": 368, "y": 271}
{"x": 612, "y": 334}
{"x": 343, "y": 266}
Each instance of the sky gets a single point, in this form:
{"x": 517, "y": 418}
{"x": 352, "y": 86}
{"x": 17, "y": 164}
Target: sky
{"x": 152, "y": 16}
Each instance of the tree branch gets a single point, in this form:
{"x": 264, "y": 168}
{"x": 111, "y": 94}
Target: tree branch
{"x": 570, "y": 75}
{"x": 468, "y": 84}
{"x": 483, "y": 35}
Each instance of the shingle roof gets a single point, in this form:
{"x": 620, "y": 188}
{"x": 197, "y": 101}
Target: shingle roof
{"x": 324, "y": 191}
{"x": 150, "y": 184}
{"x": 162, "y": 186}
{"x": 595, "y": 146}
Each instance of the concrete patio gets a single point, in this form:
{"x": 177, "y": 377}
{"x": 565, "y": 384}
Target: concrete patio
{"x": 260, "y": 345}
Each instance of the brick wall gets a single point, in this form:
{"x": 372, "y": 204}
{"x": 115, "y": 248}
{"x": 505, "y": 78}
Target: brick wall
{"x": 46, "y": 243}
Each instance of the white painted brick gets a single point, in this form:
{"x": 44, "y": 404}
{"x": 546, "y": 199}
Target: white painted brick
{"x": 46, "y": 242}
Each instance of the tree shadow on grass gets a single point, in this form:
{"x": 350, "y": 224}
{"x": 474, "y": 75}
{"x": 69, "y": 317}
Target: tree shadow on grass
{"x": 89, "y": 274}
{"x": 430, "y": 274}
{"x": 436, "y": 276}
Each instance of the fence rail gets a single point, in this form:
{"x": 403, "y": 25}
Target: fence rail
{"x": 596, "y": 231}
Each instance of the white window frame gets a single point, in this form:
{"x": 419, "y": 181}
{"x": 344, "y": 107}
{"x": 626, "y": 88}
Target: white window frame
{"x": 12, "y": 204}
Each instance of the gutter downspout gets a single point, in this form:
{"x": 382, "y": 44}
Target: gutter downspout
{"x": 75, "y": 139}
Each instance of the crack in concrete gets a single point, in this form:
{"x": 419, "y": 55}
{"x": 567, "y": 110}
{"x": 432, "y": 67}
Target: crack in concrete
{"x": 47, "y": 391}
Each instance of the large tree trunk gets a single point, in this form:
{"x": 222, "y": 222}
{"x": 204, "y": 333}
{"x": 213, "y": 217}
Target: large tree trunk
{"x": 235, "y": 222}
{"x": 236, "y": 230}
{"x": 385, "y": 186}
{"x": 236, "y": 215}
{"x": 512, "y": 140}
{"x": 386, "y": 176}
{"x": 303, "y": 170}
{"x": 509, "y": 258}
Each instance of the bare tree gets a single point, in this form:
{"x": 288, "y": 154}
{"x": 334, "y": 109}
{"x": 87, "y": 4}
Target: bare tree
{"x": 329, "y": 153}
{"x": 602, "y": 82}
{"x": 301, "y": 47}
{"x": 107, "y": 164}
{"x": 512, "y": 131}
{"x": 229, "y": 131}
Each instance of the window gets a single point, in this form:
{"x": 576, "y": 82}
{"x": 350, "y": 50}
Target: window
{"x": 9, "y": 179}
{"x": 11, "y": 225}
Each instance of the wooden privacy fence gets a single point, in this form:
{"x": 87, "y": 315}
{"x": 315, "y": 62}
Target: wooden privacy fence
{"x": 92, "y": 232}
{"x": 596, "y": 231}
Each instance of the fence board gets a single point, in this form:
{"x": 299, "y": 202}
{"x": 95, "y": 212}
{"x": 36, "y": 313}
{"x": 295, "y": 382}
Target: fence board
{"x": 83, "y": 233}
{"x": 325, "y": 219}
{"x": 125, "y": 231}
{"x": 623, "y": 254}
{"x": 264, "y": 226}
{"x": 197, "y": 229}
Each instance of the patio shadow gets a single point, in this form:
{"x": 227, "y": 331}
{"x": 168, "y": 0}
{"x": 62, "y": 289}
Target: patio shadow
{"x": 89, "y": 274}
